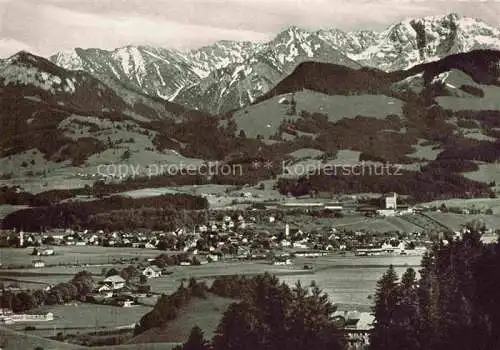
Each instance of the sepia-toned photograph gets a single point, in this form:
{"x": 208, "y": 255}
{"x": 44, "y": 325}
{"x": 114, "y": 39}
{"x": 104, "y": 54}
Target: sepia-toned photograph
{"x": 250, "y": 175}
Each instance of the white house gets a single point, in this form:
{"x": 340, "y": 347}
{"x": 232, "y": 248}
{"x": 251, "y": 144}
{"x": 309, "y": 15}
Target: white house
{"x": 152, "y": 271}
{"x": 115, "y": 282}
{"x": 299, "y": 245}
{"x": 391, "y": 201}
{"x": 47, "y": 252}
{"x": 105, "y": 291}
{"x": 38, "y": 263}
{"x": 285, "y": 244}
{"x": 128, "y": 303}
{"x": 282, "y": 262}
{"x": 213, "y": 257}
{"x": 386, "y": 212}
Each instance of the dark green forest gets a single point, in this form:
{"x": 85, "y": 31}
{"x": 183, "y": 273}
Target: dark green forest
{"x": 453, "y": 304}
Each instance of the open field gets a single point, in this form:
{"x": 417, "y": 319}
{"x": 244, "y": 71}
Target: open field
{"x": 21, "y": 341}
{"x": 206, "y": 313}
{"x": 476, "y": 203}
{"x": 382, "y": 225}
{"x": 58, "y": 270}
{"x": 264, "y": 118}
{"x": 35, "y": 281}
{"x": 425, "y": 152}
{"x": 490, "y": 101}
{"x": 73, "y": 318}
{"x": 77, "y": 255}
{"x": 356, "y": 223}
{"x": 456, "y": 221}
{"x": 338, "y": 107}
{"x": 350, "y": 287}
{"x": 218, "y": 196}
{"x": 168, "y": 284}
{"x": 350, "y": 281}
{"x": 486, "y": 173}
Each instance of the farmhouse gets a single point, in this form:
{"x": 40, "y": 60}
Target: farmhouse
{"x": 105, "y": 291}
{"x": 115, "y": 282}
{"x": 152, "y": 271}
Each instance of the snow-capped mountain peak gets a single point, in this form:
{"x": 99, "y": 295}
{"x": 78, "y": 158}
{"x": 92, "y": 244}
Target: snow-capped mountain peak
{"x": 414, "y": 41}
{"x": 233, "y": 73}
{"x": 25, "y": 69}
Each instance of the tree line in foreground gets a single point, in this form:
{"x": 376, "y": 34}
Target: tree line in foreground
{"x": 453, "y": 304}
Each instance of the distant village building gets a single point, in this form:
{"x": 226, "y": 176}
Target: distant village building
{"x": 285, "y": 244}
{"x": 282, "y": 261}
{"x": 152, "y": 271}
{"x": 386, "y": 212}
{"x": 105, "y": 291}
{"x": 213, "y": 257}
{"x": 38, "y": 263}
{"x": 127, "y": 303}
{"x": 310, "y": 253}
{"x": 115, "y": 282}
{"x": 390, "y": 201}
{"x": 43, "y": 252}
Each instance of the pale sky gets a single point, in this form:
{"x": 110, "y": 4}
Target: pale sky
{"x": 45, "y": 27}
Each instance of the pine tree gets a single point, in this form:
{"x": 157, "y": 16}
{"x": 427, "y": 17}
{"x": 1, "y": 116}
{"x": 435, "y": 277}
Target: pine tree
{"x": 385, "y": 304}
{"x": 240, "y": 329}
{"x": 196, "y": 340}
{"x": 273, "y": 316}
{"x": 406, "y": 315}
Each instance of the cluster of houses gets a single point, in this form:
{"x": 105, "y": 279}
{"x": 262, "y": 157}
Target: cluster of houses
{"x": 225, "y": 237}
{"x": 116, "y": 290}
{"x": 262, "y": 235}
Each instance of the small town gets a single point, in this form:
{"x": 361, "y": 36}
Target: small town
{"x": 256, "y": 235}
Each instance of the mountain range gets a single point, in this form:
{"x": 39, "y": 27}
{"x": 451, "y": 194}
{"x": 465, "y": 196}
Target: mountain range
{"x": 228, "y": 75}
{"x": 297, "y": 98}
